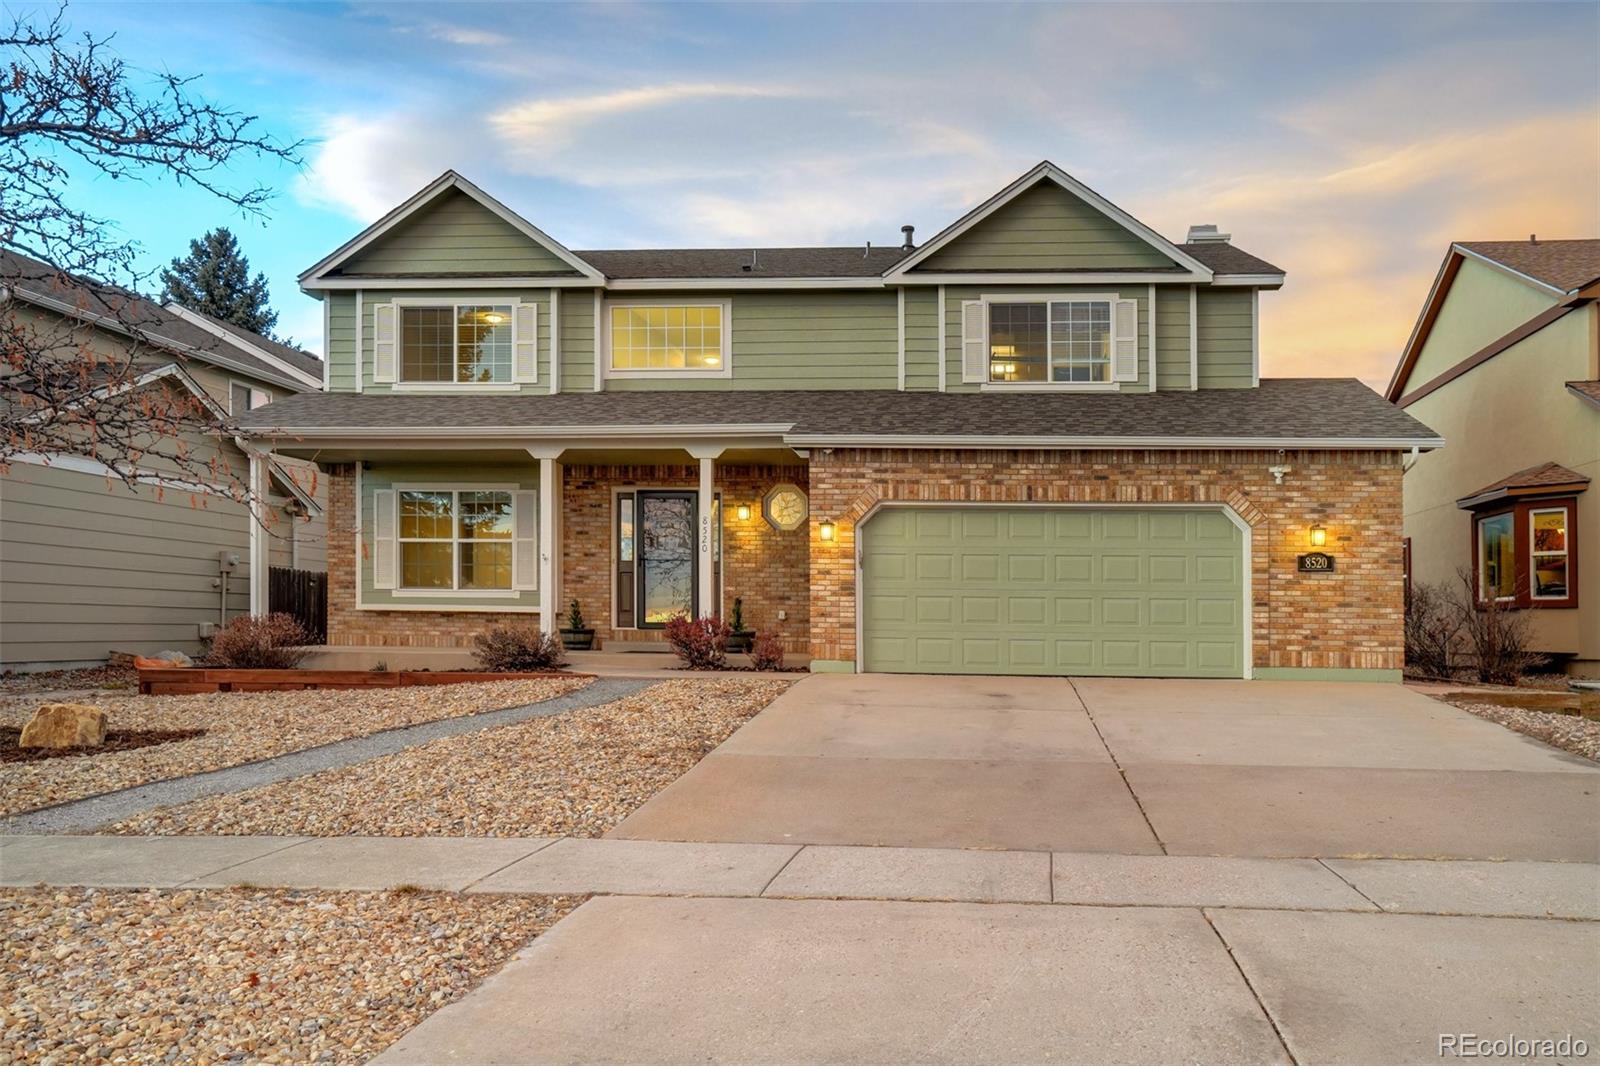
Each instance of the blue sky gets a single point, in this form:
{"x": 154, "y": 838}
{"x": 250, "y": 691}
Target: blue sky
{"x": 1348, "y": 143}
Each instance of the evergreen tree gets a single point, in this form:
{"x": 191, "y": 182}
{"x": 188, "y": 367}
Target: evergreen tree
{"x": 215, "y": 279}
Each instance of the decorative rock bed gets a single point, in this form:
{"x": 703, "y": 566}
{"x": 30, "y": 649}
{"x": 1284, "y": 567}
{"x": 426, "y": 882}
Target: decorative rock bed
{"x": 183, "y": 680}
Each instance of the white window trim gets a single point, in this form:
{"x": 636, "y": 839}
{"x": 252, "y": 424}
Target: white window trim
{"x": 1048, "y": 298}
{"x": 455, "y": 589}
{"x": 722, "y": 372}
{"x": 1534, "y": 554}
{"x": 455, "y": 303}
{"x": 1481, "y": 562}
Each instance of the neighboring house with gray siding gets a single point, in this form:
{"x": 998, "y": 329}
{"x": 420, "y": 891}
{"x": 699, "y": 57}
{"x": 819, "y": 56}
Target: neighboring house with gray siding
{"x": 89, "y": 566}
{"x": 1037, "y": 443}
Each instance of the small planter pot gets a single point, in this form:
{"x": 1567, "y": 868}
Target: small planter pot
{"x": 739, "y": 642}
{"x": 577, "y": 639}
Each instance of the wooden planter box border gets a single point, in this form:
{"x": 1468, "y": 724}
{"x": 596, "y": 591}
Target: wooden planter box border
{"x": 181, "y": 680}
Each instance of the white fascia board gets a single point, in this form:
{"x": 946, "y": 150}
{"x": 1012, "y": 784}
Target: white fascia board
{"x": 627, "y": 284}
{"x": 1048, "y": 171}
{"x": 583, "y": 433}
{"x": 1542, "y": 286}
{"x": 237, "y": 341}
{"x": 1260, "y": 281}
{"x": 1106, "y": 278}
{"x": 822, "y": 440}
{"x": 426, "y": 195}
{"x": 534, "y": 281}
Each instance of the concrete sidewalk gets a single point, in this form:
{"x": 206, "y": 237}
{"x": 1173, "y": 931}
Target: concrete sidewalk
{"x": 581, "y": 866}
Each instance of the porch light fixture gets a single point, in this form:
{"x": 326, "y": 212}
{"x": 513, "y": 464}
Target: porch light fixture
{"x": 1319, "y": 536}
{"x": 825, "y": 529}
{"x": 744, "y": 512}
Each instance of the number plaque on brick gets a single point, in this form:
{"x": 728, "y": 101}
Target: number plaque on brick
{"x": 1314, "y": 563}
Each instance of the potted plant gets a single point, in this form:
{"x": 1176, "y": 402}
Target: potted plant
{"x": 739, "y": 638}
{"x": 575, "y": 635}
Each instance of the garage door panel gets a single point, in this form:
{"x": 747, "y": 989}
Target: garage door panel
{"x": 1046, "y": 590}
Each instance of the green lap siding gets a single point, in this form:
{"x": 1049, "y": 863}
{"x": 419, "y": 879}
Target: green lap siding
{"x": 1046, "y": 228}
{"x": 1226, "y": 338}
{"x": 456, "y": 234}
{"x": 1136, "y": 592}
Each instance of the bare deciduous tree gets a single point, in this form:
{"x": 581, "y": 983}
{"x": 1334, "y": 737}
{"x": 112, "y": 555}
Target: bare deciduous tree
{"x": 69, "y": 106}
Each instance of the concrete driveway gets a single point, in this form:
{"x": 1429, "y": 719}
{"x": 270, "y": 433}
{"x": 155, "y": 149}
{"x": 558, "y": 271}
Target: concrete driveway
{"x": 1102, "y": 937}
{"x": 1249, "y": 768}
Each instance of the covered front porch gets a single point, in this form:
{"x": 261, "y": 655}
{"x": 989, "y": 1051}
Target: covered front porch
{"x": 432, "y": 544}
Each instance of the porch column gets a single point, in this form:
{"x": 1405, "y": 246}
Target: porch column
{"x": 260, "y": 545}
{"x": 706, "y": 560}
{"x": 551, "y": 475}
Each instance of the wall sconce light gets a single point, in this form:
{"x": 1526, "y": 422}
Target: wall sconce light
{"x": 825, "y": 529}
{"x": 1319, "y": 536}
{"x": 744, "y": 512}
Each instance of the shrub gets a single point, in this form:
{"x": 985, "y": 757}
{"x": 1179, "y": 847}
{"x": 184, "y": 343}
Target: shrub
{"x": 251, "y": 642}
{"x": 509, "y": 649}
{"x": 701, "y": 643}
{"x": 1496, "y": 636}
{"x": 766, "y": 652}
{"x": 1433, "y": 633}
{"x": 575, "y": 617}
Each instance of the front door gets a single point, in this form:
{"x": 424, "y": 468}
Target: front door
{"x": 667, "y": 570}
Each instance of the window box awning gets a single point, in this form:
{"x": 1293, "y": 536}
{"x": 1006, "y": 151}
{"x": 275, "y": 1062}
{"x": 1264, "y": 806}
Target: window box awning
{"x": 1536, "y": 482}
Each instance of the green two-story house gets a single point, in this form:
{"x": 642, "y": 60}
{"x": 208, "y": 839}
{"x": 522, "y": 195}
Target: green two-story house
{"x": 1037, "y": 443}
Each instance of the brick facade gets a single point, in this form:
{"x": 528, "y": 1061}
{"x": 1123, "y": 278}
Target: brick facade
{"x": 1352, "y": 618}
{"x": 763, "y": 566}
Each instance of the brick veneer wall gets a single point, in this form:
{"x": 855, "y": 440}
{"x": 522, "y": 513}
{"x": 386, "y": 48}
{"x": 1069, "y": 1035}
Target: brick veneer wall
{"x": 765, "y": 567}
{"x": 1352, "y": 618}
{"x": 387, "y": 629}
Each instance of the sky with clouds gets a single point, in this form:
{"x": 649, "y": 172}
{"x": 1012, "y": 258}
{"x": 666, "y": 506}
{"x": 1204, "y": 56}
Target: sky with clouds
{"x": 1348, "y": 143}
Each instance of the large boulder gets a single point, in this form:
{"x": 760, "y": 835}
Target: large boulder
{"x": 64, "y": 725}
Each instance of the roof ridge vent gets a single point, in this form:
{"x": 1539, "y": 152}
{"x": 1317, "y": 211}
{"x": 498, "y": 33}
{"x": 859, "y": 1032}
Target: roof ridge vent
{"x": 1207, "y": 233}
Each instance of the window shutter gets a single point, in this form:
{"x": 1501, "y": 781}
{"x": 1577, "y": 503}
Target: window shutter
{"x": 525, "y": 339}
{"x": 385, "y": 548}
{"x": 974, "y": 342}
{"x": 384, "y": 344}
{"x": 525, "y": 540}
{"x": 1125, "y": 341}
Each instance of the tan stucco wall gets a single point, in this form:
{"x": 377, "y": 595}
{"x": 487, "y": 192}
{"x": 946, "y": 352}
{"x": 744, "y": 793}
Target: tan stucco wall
{"x": 1508, "y": 414}
{"x": 1482, "y": 305}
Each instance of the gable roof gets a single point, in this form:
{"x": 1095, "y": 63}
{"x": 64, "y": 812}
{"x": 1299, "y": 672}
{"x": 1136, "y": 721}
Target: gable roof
{"x": 444, "y": 183}
{"x": 1542, "y": 480}
{"x": 1282, "y": 412}
{"x": 1564, "y": 265}
{"x": 1561, "y": 263}
{"x": 1048, "y": 171}
{"x": 117, "y": 310}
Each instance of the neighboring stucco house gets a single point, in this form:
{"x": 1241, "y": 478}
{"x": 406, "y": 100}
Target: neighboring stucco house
{"x": 1036, "y": 444}
{"x": 89, "y": 566}
{"x": 1505, "y": 363}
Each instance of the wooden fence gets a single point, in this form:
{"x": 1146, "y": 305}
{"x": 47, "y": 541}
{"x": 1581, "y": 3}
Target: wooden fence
{"x": 303, "y": 594}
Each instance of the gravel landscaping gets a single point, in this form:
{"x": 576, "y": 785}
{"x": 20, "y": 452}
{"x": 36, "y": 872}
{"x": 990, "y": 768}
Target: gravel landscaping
{"x": 573, "y": 774}
{"x": 245, "y": 975}
{"x": 240, "y": 727}
{"x": 1569, "y": 732}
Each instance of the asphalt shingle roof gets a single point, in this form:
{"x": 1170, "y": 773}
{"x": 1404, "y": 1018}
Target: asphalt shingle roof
{"x": 1545, "y": 475}
{"x": 158, "y": 326}
{"x": 1224, "y": 258}
{"x": 1283, "y": 408}
{"x": 1566, "y": 264}
{"x": 296, "y": 358}
{"x": 1589, "y": 390}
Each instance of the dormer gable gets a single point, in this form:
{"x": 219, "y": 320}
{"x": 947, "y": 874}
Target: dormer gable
{"x": 450, "y": 228}
{"x": 1047, "y": 222}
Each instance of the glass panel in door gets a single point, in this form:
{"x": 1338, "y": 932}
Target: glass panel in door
{"x": 665, "y": 549}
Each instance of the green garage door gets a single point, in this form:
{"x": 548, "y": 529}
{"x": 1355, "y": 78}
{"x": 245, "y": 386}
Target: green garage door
{"x": 1137, "y": 592}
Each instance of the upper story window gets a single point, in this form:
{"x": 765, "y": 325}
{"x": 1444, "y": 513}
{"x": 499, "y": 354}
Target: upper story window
{"x": 467, "y": 343}
{"x": 668, "y": 339}
{"x": 434, "y": 344}
{"x": 242, "y": 398}
{"x": 1050, "y": 340}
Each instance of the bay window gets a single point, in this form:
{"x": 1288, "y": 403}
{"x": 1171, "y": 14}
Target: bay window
{"x": 1526, "y": 554}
